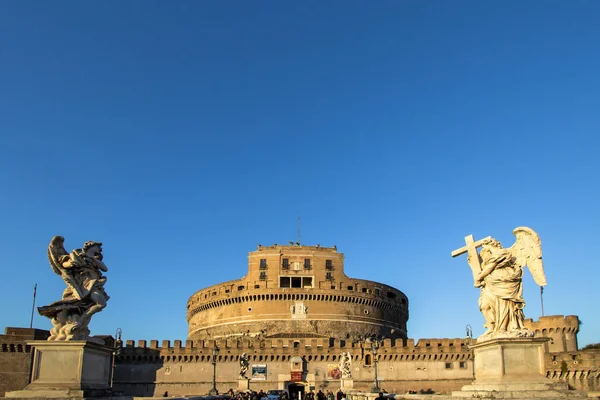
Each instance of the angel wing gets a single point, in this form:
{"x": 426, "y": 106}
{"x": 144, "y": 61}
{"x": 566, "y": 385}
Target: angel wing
{"x": 56, "y": 250}
{"x": 527, "y": 251}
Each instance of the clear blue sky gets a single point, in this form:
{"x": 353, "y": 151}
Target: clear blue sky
{"x": 182, "y": 134}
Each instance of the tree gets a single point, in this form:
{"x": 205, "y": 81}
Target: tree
{"x": 592, "y": 346}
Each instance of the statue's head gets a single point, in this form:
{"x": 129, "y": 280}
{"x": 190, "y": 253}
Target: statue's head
{"x": 93, "y": 249}
{"x": 489, "y": 246}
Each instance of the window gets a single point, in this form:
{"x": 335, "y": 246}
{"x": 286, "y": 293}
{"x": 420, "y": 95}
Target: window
{"x": 368, "y": 359}
{"x": 350, "y": 287}
{"x": 296, "y": 282}
{"x": 263, "y": 263}
{"x": 256, "y": 286}
{"x": 391, "y": 295}
{"x": 263, "y": 276}
{"x": 329, "y": 277}
{"x": 284, "y": 282}
{"x": 364, "y": 290}
{"x": 332, "y": 286}
{"x": 285, "y": 263}
{"x": 328, "y": 265}
{"x": 377, "y": 292}
{"x": 448, "y": 365}
{"x": 463, "y": 364}
{"x": 307, "y": 263}
{"x": 240, "y": 288}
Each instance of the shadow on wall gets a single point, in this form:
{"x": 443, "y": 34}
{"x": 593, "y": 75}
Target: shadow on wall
{"x": 136, "y": 374}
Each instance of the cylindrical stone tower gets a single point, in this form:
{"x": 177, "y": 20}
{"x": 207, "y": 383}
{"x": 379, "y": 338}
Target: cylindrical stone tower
{"x": 297, "y": 291}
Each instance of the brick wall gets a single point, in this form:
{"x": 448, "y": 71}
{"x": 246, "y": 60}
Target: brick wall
{"x": 16, "y": 357}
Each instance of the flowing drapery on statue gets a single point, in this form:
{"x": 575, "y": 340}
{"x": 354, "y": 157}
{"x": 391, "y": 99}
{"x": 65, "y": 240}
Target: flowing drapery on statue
{"x": 84, "y": 296}
{"x": 499, "y": 273}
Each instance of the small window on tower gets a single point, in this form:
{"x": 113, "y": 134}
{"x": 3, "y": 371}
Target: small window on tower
{"x": 328, "y": 264}
{"x": 263, "y": 263}
{"x": 307, "y": 263}
{"x": 285, "y": 263}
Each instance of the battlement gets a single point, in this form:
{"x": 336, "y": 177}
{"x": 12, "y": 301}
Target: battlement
{"x": 19, "y": 335}
{"x": 247, "y": 344}
{"x": 295, "y": 247}
{"x": 550, "y": 323}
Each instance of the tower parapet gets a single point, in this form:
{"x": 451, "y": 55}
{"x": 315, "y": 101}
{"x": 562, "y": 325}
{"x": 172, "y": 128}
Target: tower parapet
{"x": 562, "y": 330}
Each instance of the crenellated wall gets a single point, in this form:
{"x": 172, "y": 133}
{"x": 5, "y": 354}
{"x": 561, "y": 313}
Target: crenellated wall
{"x": 580, "y": 369}
{"x": 16, "y": 357}
{"x": 562, "y": 330}
{"x": 185, "y": 368}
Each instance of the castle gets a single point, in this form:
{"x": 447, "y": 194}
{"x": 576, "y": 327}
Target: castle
{"x": 294, "y": 315}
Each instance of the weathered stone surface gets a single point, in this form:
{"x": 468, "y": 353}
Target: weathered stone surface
{"x": 498, "y": 272}
{"x": 512, "y": 368}
{"x": 297, "y": 291}
{"x": 84, "y": 296}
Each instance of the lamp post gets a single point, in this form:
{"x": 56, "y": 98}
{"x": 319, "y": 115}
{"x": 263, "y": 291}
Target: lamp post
{"x": 374, "y": 347}
{"x": 215, "y": 352}
{"x": 117, "y": 347}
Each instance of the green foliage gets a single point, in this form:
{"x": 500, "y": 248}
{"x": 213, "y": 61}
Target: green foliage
{"x": 593, "y": 346}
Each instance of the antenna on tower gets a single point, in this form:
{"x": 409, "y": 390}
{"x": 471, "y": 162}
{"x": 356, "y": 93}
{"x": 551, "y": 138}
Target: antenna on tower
{"x": 298, "y": 241}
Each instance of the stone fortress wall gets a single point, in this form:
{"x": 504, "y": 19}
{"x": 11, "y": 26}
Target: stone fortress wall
{"x": 184, "y": 369}
{"x": 439, "y": 365}
{"x": 299, "y": 291}
{"x": 16, "y": 357}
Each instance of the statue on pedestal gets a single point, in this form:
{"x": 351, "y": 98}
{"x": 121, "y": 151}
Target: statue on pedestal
{"x": 346, "y": 365}
{"x": 84, "y": 296}
{"x": 243, "y": 366}
{"x": 498, "y": 272}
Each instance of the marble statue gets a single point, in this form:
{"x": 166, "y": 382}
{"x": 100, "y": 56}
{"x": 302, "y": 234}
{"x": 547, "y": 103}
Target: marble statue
{"x": 243, "y": 366}
{"x": 498, "y": 272}
{"x": 84, "y": 296}
{"x": 346, "y": 365}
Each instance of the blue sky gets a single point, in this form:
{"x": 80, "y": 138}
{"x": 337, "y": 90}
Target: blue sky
{"x": 183, "y": 134}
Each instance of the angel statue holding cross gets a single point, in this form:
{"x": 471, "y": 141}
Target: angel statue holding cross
{"x": 499, "y": 274}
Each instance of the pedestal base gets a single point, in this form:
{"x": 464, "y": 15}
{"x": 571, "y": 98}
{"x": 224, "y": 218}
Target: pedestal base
{"x": 68, "y": 370}
{"x": 512, "y": 368}
{"x": 243, "y": 384}
{"x": 346, "y": 384}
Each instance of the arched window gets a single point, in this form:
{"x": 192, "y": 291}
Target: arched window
{"x": 368, "y": 359}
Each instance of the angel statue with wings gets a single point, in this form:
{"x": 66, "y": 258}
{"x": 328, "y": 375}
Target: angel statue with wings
{"x": 499, "y": 274}
{"x": 84, "y": 295}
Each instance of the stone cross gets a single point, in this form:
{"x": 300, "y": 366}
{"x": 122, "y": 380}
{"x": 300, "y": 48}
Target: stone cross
{"x": 471, "y": 248}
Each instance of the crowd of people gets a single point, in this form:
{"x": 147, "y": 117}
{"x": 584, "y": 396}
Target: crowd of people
{"x": 283, "y": 395}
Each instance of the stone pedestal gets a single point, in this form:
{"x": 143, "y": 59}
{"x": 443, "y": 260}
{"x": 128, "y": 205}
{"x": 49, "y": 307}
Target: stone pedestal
{"x": 346, "y": 384}
{"x": 512, "y": 368}
{"x": 243, "y": 384}
{"x": 73, "y": 370}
